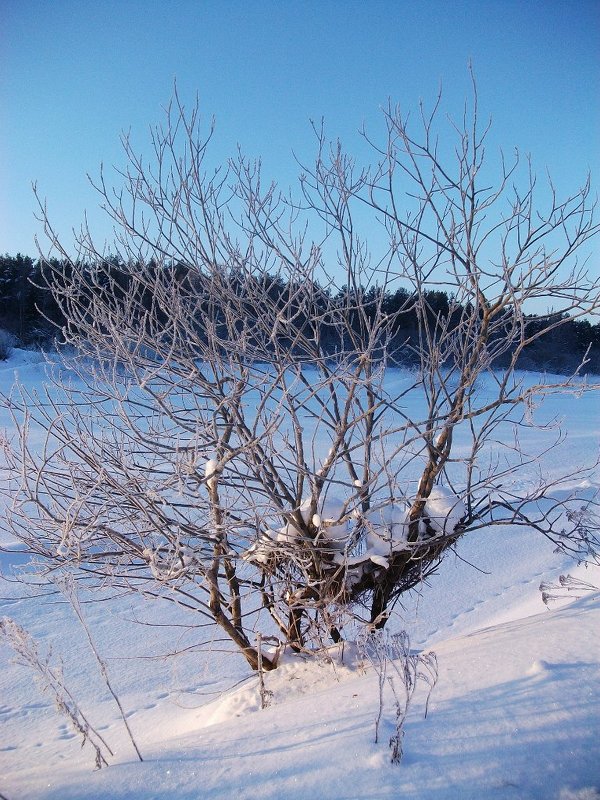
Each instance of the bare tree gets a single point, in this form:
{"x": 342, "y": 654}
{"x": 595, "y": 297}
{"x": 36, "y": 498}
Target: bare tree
{"x": 228, "y": 434}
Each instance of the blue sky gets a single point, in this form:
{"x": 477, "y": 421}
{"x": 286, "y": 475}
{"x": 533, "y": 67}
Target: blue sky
{"x": 74, "y": 74}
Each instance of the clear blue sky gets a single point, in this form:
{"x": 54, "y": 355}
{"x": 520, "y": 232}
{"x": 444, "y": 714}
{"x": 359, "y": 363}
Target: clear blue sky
{"x": 75, "y": 73}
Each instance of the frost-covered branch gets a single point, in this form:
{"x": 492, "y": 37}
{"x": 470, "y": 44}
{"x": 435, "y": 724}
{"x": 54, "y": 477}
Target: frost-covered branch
{"x": 266, "y": 411}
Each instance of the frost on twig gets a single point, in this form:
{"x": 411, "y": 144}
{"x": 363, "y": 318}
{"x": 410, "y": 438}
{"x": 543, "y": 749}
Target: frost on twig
{"x": 264, "y": 411}
{"x": 266, "y": 695}
{"x": 67, "y": 586}
{"x": 400, "y": 670}
{"x": 567, "y": 586}
{"x": 51, "y": 680}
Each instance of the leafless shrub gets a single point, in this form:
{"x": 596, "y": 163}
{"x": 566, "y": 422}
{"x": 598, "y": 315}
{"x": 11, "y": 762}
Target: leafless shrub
{"x": 225, "y": 435}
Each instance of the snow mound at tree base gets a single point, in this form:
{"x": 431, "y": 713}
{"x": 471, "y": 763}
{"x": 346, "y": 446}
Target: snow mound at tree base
{"x": 296, "y": 676}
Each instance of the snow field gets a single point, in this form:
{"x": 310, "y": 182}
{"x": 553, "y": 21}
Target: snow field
{"x": 515, "y": 713}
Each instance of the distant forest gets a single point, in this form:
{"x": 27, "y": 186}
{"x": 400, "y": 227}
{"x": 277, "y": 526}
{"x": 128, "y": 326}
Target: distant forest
{"x": 29, "y": 313}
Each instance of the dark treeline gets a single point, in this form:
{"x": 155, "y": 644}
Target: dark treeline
{"x": 29, "y": 313}
{"x": 27, "y": 310}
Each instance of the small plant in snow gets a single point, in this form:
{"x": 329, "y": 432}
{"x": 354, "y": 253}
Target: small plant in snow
{"x": 266, "y": 695}
{"x": 567, "y": 586}
{"x": 66, "y": 585}
{"x": 401, "y": 670}
{"x": 50, "y": 678}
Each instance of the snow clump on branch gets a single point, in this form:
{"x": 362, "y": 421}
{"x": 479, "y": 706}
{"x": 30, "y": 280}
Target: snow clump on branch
{"x": 386, "y": 530}
{"x": 444, "y": 511}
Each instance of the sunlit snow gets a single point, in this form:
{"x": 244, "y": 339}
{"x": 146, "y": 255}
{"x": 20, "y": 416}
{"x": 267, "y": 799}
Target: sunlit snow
{"x": 515, "y": 714}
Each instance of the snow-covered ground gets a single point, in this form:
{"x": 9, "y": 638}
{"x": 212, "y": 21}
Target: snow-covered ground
{"x": 515, "y": 713}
